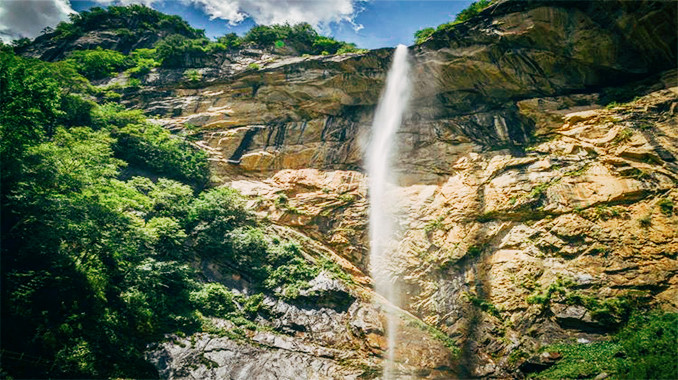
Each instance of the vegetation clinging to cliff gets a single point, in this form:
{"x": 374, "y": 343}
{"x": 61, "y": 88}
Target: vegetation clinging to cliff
{"x": 301, "y": 37}
{"x": 95, "y": 261}
{"x": 177, "y": 43}
{"x": 469, "y": 12}
{"x": 296, "y": 39}
{"x": 125, "y": 20}
{"x": 643, "y": 349}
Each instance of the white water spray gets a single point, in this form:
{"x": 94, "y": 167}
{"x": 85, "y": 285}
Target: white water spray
{"x": 387, "y": 120}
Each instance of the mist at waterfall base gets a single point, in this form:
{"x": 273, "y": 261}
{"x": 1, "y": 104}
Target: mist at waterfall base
{"x": 387, "y": 120}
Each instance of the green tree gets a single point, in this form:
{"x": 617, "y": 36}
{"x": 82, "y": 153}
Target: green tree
{"x": 327, "y": 44}
{"x": 175, "y": 50}
{"x": 21, "y": 43}
{"x": 264, "y": 36}
{"x": 213, "y": 299}
{"x": 29, "y": 106}
{"x": 230, "y": 40}
{"x": 472, "y": 10}
{"x": 422, "y": 35}
{"x": 100, "y": 63}
{"x": 152, "y": 147}
{"x": 214, "y": 214}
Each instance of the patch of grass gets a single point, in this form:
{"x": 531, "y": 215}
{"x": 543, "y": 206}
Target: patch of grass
{"x": 215, "y": 300}
{"x": 335, "y": 271}
{"x": 347, "y": 198}
{"x": 539, "y": 190}
{"x": 645, "y": 348}
{"x": 543, "y": 297}
{"x": 435, "y": 224}
{"x": 483, "y": 305}
{"x": 474, "y": 251}
{"x": 666, "y": 206}
{"x": 234, "y": 334}
{"x": 645, "y": 221}
{"x": 577, "y": 172}
{"x": 282, "y": 200}
{"x": 192, "y": 75}
{"x": 516, "y": 356}
{"x": 434, "y": 332}
{"x": 420, "y": 36}
{"x": 112, "y": 96}
{"x": 253, "y": 66}
{"x": 243, "y": 322}
{"x": 649, "y": 341}
{"x": 609, "y": 311}
{"x": 290, "y": 272}
{"x": 604, "y": 212}
{"x": 582, "y": 360}
{"x": 623, "y": 136}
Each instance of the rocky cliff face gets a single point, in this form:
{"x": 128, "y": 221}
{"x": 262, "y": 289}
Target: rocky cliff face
{"x": 529, "y": 213}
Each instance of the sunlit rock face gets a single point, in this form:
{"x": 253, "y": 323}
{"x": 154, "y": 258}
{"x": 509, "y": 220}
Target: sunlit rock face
{"x": 519, "y": 192}
{"x": 316, "y": 112}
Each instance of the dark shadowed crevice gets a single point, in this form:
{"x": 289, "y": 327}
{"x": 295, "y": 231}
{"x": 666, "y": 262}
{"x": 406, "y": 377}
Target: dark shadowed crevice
{"x": 244, "y": 145}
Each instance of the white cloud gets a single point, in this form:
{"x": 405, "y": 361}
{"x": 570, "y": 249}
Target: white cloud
{"x": 319, "y": 13}
{"x": 27, "y": 18}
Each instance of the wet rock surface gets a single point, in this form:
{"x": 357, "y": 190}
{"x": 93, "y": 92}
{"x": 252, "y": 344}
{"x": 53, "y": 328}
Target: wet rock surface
{"x": 205, "y": 357}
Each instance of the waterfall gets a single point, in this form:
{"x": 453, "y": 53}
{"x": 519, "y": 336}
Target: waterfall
{"x": 386, "y": 122}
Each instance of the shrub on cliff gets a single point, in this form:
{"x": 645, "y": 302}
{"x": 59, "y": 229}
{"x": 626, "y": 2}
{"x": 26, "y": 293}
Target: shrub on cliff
{"x": 132, "y": 18}
{"x": 179, "y": 51}
{"x": 144, "y": 62}
{"x": 466, "y": 14}
{"x": 152, "y": 147}
{"x": 230, "y": 41}
{"x": 99, "y": 63}
{"x": 645, "y": 348}
{"x": 422, "y": 35}
{"x": 649, "y": 341}
{"x": 300, "y": 37}
{"x": 213, "y": 299}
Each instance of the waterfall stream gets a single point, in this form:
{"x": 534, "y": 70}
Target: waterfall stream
{"x": 387, "y": 120}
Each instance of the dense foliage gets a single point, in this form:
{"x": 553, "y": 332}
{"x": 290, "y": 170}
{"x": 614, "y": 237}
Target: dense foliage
{"x": 174, "y": 50}
{"x": 179, "y": 51}
{"x": 101, "y": 213}
{"x": 302, "y": 38}
{"x": 466, "y": 14}
{"x": 128, "y": 21}
{"x": 99, "y": 63}
{"x": 175, "y": 44}
{"x": 644, "y": 349}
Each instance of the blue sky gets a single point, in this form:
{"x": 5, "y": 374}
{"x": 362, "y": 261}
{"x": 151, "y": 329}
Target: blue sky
{"x": 384, "y": 22}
